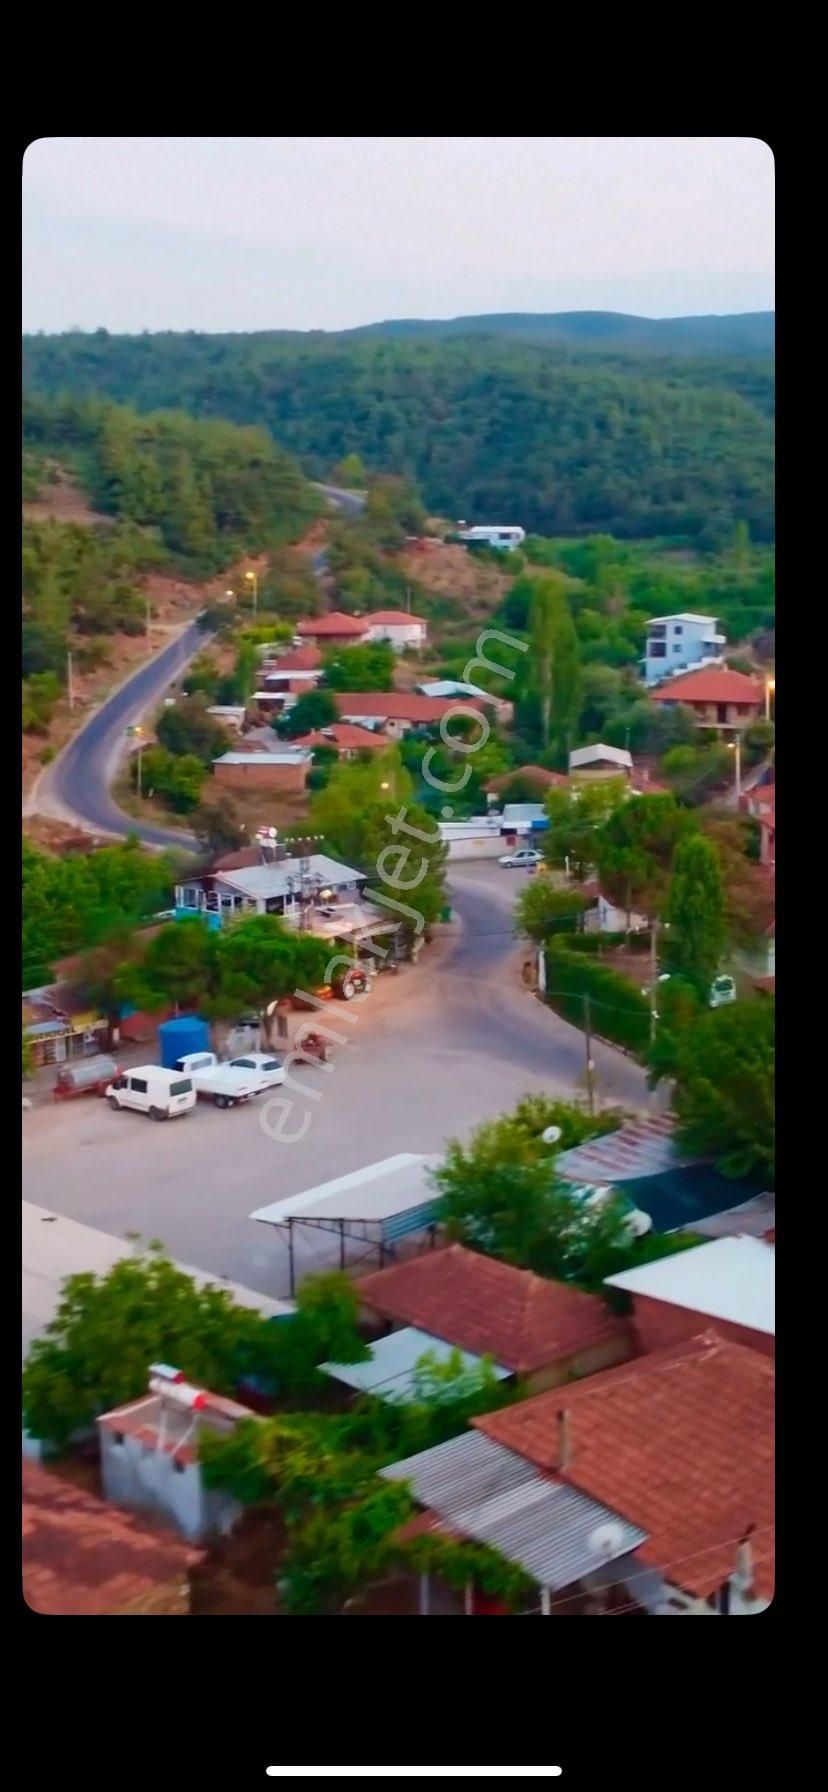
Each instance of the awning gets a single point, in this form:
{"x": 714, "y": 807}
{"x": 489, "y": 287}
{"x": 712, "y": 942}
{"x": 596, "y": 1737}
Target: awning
{"x": 389, "y": 1371}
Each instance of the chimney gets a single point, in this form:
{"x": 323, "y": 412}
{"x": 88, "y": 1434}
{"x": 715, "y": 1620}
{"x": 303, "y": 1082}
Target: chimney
{"x": 564, "y": 1440}
{"x": 743, "y": 1576}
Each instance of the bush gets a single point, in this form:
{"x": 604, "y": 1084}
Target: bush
{"x": 620, "y": 1012}
{"x": 47, "y": 755}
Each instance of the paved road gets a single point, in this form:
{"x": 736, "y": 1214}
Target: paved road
{"x": 430, "y": 1054}
{"x": 351, "y": 502}
{"x": 77, "y": 786}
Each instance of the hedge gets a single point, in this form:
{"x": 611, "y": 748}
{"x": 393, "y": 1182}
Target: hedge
{"x": 620, "y": 1013}
{"x": 595, "y": 943}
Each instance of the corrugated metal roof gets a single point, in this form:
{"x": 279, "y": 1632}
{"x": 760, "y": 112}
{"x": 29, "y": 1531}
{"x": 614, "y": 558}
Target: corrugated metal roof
{"x": 389, "y": 1371}
{"x": 277, "y": 879}
{"x": 379, "y": 1192}
{"x": 548, "y": 1529}
{"x": 645, "y": 1148}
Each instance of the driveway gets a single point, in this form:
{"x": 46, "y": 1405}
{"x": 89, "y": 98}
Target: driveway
{"x": 430, "y": 1053}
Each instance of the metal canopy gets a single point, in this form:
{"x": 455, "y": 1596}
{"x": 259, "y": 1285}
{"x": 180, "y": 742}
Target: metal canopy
{"x": 376, "y": 1206}
{"x": 389, "y": 1371}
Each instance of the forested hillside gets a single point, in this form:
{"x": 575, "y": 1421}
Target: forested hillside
{"x": 563, "y": 442}
{"x": 745, "y": 333}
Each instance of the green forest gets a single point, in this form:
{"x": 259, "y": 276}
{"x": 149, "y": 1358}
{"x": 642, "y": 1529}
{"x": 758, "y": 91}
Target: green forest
{"x": 565, "y": 441}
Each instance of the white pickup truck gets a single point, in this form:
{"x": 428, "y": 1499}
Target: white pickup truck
{"x": 216, "y": 1081}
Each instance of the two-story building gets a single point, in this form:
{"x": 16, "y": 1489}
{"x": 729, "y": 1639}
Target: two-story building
{"x": 335, "y": 629}
{"x": 241, "y": 883}
{"x": 675, "y": 643}
{"x": 398, "y": 628}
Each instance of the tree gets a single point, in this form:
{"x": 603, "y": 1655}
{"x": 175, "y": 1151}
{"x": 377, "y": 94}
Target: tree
{"x": 216, "y": 824}
{"x": 203, "y": 676}
{"x": 359, "y": 812}
{"x": 259, "y": 959}
{"x": 723, "y": 1099}
{"x": 695, "y": 912}
{"x": 576, "y": 815}
{"x": 368, "y": 668}
{"x": 316, "y": 709}
{"x": 108, "y": 1329}
{"x": 99, "y": 977}
{"x": 553, "y": 661}
{"x": 178, "y": 969}
{"x": 28, "y": 1056}
{"x": 634, "y": 852}
{"x": 176, "y": 778}
{"x": 188, "y": 728}
{"x": 543, "y": 910}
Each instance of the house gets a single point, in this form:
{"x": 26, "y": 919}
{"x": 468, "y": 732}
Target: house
{"x": 394, "y": 712}
{"x": 606, "y": 917}
{"x": 503, "y": 536}
{"x": 600, "y": 762}
{"x": 459, "y": 692}
{"x": 150, "y": 1454}
{"x": 675, "y": 643}
{"x": 400, "y": 629}
{"x": 292, "y": 675}
{"x": 230, "y": 715}
{"x": 545, "y": 1332}
{"x": 60, "y": 1024}
{"x": 728, "y": 1283}
{"x": 346, "y": 740}
{"x": 533, "y": 774}
{"x": 333, "y": 630}
{"x": 85, "y": 1559}
{"x": 678, "y": 1444}
{"x": 257, "y": 886}
{"x": 719, "y": 698}
{"x": 285, "y": 769}
{"x": 523, "y": 818}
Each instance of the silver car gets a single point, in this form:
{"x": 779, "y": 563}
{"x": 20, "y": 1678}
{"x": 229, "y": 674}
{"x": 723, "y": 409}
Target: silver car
{"x": 526, "y": 858}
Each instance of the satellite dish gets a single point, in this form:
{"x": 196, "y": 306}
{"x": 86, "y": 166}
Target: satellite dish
{"x": 551, "y": 1135}
{"x": 607, "y": 1540}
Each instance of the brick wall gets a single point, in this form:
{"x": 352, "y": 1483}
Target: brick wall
{"x": 657, "y": 1324}
{"x": 258, "y": 776}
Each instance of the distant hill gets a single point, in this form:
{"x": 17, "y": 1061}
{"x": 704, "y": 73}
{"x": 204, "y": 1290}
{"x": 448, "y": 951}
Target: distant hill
{"x": 575, "y": 436}
{"x": 744, "y": 333}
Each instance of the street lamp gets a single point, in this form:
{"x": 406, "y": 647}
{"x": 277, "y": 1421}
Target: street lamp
{"x": 137, "y": 733}
{"x": 770, "y": 687}
{"x": 252, "y": 579}
{"x": 229, "y": 595}
{"x": 735, "y": 746}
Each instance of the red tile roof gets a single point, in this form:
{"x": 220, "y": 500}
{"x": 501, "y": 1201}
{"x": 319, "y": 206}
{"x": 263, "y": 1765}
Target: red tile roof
{"x": 299, "y": 659}
{"x": 346, "y": 736}
{"x": 336, "y": 623}
{"x": 714, "y": 684}
{"x": 84, "y": 1558}
{"x": 679, "y": 1442}
{"x": 399, "y": 706}
{"x": 393, "y": 616}
{"x": 478, "y": 1304}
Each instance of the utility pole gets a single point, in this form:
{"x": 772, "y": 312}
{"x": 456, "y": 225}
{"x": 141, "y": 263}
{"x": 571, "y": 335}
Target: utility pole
{"x": 408, "y": 599}
{"x": 148, "y": 620}
{"x": 590, "y": 1066}
{"x": 69, "y": 684}
{"x": 253, "y": 579}
{"x": 653, "y": 978}
{"x": 736, "y": 747}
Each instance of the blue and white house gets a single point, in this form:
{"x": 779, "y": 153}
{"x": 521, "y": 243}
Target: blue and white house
{"x": 679, "y": 644}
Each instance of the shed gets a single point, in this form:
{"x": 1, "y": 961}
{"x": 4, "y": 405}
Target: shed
{"x": 176, "y": 1038}
{"x": 376, "y": 1206}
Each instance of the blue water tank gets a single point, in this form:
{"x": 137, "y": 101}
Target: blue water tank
{"x": 176, "y": 1038}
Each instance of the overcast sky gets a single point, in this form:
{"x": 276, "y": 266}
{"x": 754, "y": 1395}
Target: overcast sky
{"x": 263, "y": 233}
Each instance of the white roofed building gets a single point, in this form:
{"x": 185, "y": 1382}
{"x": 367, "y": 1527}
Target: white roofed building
{"x": 728, "y": 1284}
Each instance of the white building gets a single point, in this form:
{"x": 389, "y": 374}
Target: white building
{"x": 398, "y": 627}
{"x": 150, "y": 1460}
{"x": 600, "y": 761}
{"x": 281, "y": 887}
{"x": 505, "y": 537}
{"x": 677, "y": 643}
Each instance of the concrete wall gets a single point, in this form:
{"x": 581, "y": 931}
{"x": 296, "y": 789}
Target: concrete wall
{"x": 586, "y": 1362}
{"x": 255, "y": 775}
{"x": 135, "y": 1474}
{"x": 657, "y": 1324}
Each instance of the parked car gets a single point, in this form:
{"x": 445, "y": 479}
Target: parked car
{"x": 722, "y": 991}
{"x": 216, "y": 1081}
{"x": 261, "y": 1067}
{"x": 163, "y": 1094}
{"x": 525, "y": 859}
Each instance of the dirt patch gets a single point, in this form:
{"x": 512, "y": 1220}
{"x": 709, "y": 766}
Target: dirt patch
{"x": 62, "y": 501}
{"x": 238, "y": 1576}
{"x": 634, "y": 965}
{"x": 448, "y": 570}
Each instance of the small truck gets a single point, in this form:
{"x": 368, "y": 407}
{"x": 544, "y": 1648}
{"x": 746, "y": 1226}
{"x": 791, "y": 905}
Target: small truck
{"x": 216, "y": 1081}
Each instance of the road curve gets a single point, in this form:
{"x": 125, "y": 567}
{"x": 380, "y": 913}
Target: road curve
{"x": 76, "y": 787}
{"x": 351, "y": 502}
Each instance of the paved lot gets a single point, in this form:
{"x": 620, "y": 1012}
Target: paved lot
{"x": 431, "y": 1053}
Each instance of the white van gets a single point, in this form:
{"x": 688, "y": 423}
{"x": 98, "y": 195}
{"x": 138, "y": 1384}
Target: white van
{"x": 163, "y": 1094}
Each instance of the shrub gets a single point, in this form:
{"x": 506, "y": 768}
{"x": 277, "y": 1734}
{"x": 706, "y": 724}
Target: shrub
{"x": 620, "y": 1012}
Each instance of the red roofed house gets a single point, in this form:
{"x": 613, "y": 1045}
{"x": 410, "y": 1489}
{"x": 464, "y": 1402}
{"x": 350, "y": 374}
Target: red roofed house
{"x": 543, "y": 1331}
{"x": 333, "y": 630}
{"x": 394, "y": 712}
{"x": 83, "y": 1558}
{"x": 150, "y": 1454}
{"x": 718, "y": 697}
{"x": 397, "y": 627}
{"x": 680, "y": 1444}
{"x": 347, "y": 739}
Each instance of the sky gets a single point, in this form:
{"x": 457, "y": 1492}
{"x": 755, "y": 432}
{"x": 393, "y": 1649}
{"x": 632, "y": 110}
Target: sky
{"x": 269, "y": 233}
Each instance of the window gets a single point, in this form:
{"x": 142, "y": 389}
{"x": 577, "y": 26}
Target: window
{"x": 272, "y": 1064}
{"x": 242, "y": 1064}
{"x": 678, "y": 628}
{"x": 182, "y": 1088}
{"x": 658, "y": 631}
{"x": 657, "y": 650}
{"x": 178, "y": 1465}
{"x": 197, "y": 1064}
{"x": 139, "y": 1084}
{"x": 677, "y": 647}
{"x": 189, "y": 897}
{"x": 118, "y": 1437}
